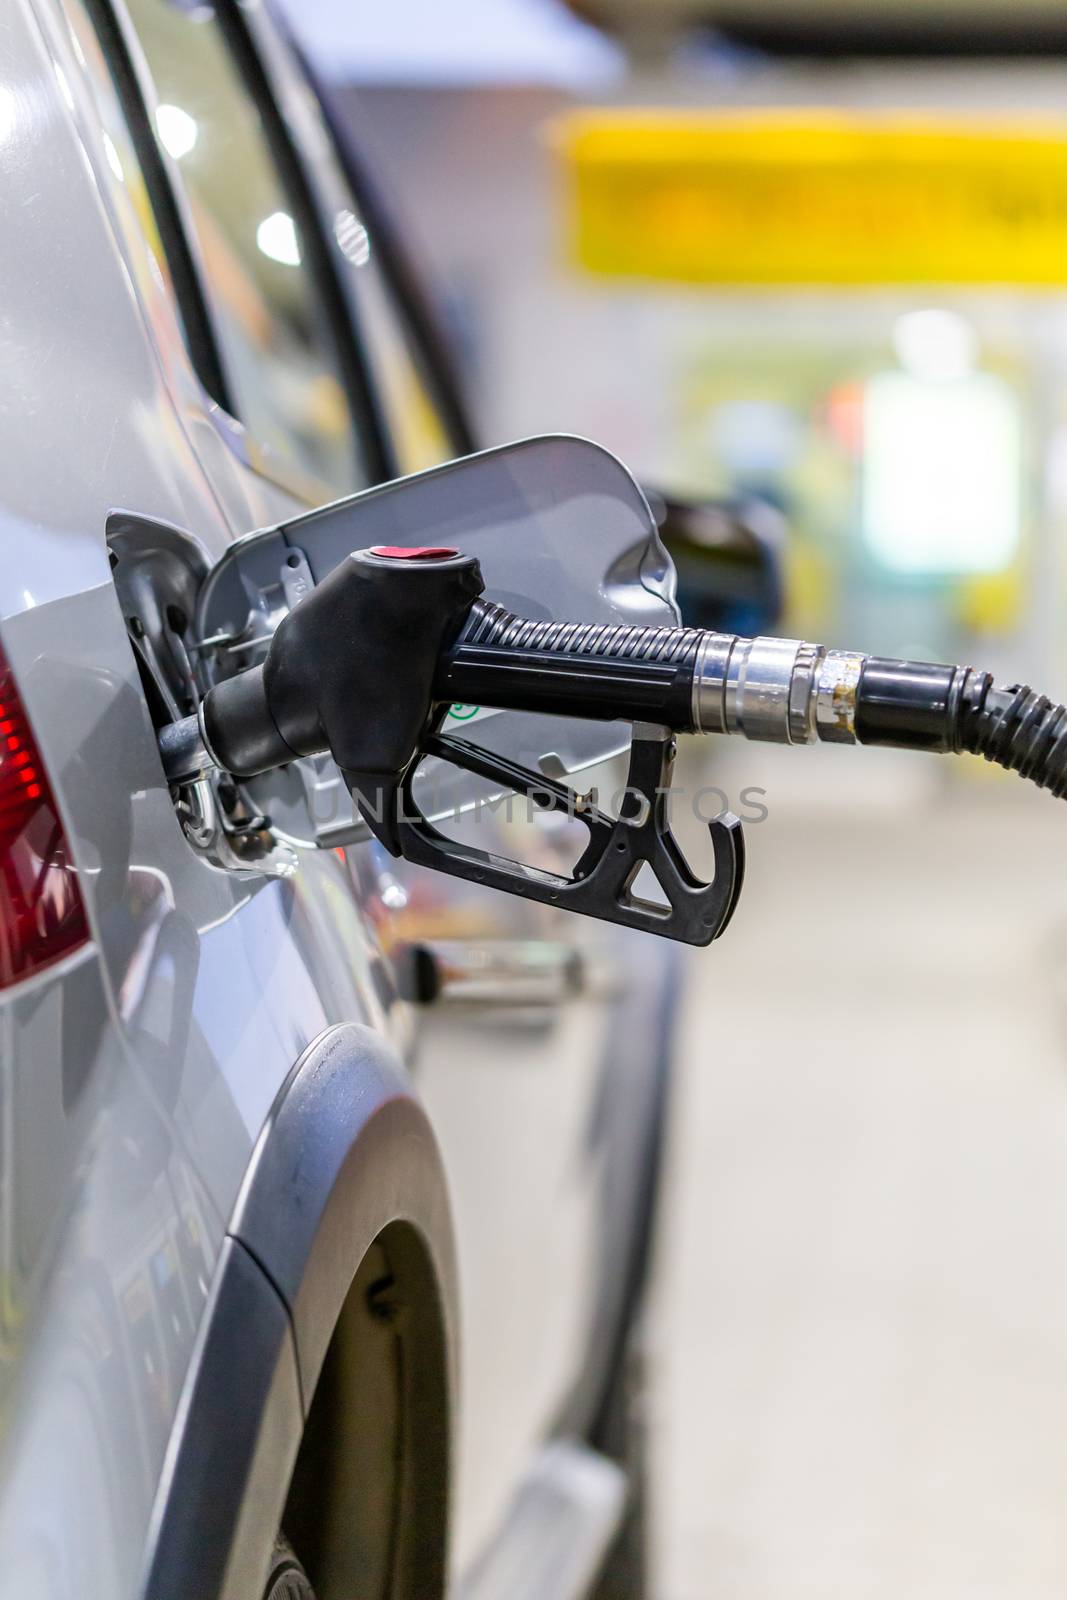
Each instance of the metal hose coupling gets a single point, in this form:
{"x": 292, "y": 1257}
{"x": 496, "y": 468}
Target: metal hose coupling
{"x": 782, "y": 690}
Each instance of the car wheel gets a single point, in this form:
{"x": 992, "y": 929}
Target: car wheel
{"x": 287, "y": 1579}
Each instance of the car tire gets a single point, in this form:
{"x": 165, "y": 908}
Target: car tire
{"x": 287, "y": 1579}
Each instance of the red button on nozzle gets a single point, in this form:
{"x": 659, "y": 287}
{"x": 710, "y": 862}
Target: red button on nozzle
{"x": 418, "y": 552}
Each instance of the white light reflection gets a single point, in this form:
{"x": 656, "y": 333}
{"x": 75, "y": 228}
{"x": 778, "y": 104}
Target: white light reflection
{"x": 276, "y": 237}
{"x": 64, "y": 88}
{"x": 113, "y": 159}
{"x": 177, "y": 130}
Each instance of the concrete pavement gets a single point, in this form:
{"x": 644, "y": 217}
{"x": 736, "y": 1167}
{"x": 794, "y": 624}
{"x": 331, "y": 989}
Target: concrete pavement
{"x": 860, "y": 1337}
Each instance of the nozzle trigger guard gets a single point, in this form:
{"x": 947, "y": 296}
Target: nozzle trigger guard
{"x": 603, "y": 881}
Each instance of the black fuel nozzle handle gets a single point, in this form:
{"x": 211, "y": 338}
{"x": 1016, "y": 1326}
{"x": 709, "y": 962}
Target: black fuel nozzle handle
{"x": 349, "y": 670}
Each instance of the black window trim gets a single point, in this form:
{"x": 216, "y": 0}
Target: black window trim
{"x": 194, "y": 301}
{"x": 323, "y": 259}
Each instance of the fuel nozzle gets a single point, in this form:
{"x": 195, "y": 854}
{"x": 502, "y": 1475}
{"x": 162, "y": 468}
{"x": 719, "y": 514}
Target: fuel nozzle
{"x": 368, "y": 664}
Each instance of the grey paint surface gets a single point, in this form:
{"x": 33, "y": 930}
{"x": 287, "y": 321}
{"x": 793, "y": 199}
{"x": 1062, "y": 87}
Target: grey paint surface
{"x": 136, "y": 1077}
{"x": 346, "y": 1154}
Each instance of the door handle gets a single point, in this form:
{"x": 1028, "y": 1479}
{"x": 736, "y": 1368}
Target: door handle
{"x": 535, "y": 975}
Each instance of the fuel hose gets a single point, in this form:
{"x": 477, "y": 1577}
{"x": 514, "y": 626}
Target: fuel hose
{"x": 782, "y": 690}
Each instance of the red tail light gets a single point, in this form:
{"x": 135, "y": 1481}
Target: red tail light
{"x": 42, "y": 915}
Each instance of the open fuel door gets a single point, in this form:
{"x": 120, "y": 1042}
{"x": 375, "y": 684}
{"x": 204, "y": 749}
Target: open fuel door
{"x": 561, "y": 530}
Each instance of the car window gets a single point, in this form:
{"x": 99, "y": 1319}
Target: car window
{"x": 420, "y": 436}
{"x": 419, "y": 433}
{"x": 278, "y": 354}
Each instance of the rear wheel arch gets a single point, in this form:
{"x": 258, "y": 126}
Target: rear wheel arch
{"x": 322, "y": 1385}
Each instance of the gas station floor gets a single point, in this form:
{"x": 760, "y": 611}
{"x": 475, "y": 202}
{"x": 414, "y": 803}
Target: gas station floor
{"x": 859, "y": 1329}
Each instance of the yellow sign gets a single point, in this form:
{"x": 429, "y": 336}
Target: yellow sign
{"x": 817, "y": 197}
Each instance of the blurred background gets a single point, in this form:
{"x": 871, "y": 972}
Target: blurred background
{"x": 802, "y": 266}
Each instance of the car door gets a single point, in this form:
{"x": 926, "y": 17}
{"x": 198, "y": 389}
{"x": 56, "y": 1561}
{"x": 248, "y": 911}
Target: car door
{"x": 249, "y": 205}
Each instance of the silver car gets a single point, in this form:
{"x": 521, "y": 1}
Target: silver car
{"x": 316, "y": 1279}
